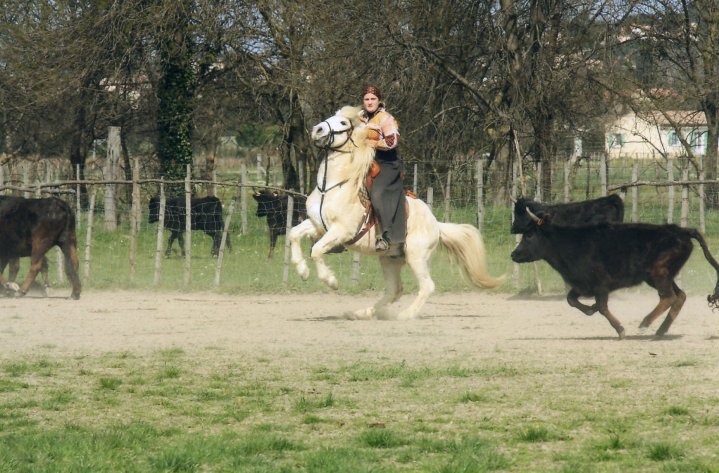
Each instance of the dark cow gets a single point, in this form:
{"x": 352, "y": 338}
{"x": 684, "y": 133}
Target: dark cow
{"x": 274, "y": 207}
{"x": 206, "y": 216}
{"x": 609, "y": 209}
{"x": 30, "y": 227}
{"x": 595, "y": 260}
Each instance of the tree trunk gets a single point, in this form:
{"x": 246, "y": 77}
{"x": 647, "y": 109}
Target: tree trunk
{"x": 175, "y": 94}
{"x": 79, "y": 147}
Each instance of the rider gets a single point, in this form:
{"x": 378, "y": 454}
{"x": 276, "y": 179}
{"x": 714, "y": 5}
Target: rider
{"x": 387, "y": 194}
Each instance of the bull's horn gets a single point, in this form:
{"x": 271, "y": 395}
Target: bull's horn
{"x": 532, "y": 216}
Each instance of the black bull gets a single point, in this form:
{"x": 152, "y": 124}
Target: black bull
{"x": 206, "y": 216}
{"x": 30, "y": 227}
{"x": 274, "y": 206}
{"x": 601, "y": 210}
{"x": 595, "y": 260}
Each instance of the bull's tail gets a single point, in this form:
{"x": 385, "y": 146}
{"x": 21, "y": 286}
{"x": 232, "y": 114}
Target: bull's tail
{"x": 712, "y": 299}
{"x": 466, "y": 245}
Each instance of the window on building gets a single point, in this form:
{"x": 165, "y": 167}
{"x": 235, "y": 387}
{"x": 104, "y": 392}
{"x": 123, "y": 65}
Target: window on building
{"x": 697, "y": 139}
{"x": 616, "y": 140}
{"x": 673, "y": 139}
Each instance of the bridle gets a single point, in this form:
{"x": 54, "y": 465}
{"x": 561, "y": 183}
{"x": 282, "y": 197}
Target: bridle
{"x": 327, "y": 148}
{"x": 332, "y": 133}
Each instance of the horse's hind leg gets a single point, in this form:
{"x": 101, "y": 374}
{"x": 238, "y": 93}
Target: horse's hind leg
{"x": 419, "y": 262}
{"x": 391, "y": 269}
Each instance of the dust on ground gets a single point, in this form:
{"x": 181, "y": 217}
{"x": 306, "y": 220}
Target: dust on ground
{"x": 310, "y": 326}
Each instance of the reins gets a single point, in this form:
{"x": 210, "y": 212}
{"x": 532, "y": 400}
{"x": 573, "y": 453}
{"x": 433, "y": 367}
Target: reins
{"x": 327, "y": 148}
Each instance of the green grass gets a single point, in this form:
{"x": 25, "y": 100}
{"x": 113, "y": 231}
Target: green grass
{"x": 262, "y": 417}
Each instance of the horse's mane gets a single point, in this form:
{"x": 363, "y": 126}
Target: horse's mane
{"x": 362, "y": 152}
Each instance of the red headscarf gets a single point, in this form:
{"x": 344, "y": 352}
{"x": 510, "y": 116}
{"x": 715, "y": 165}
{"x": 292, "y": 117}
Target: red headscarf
{"x": 370, "y": 89}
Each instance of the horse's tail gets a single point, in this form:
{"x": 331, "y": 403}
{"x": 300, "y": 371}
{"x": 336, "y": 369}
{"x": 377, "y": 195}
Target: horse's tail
{"x": 466, "y": 245}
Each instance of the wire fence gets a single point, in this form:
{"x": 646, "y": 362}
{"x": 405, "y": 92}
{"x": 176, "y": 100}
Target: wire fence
{"x": 119, "y": 248}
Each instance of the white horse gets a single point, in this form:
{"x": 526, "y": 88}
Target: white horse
{"x": 336, "y": 213}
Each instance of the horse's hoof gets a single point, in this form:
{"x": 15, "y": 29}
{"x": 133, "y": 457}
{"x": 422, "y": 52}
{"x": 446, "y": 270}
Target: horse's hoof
{"x": 643, "y": 330}
{"x": 303, "y": 270}
{"x": 362, "y": 314}
{"x": 621, "y": 333}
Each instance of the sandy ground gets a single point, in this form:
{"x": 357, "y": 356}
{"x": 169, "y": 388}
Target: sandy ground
{"x": 310, "y": 325}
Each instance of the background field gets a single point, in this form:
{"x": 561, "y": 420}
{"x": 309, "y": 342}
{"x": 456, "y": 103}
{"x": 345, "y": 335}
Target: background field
{"x": 482, "y": 381}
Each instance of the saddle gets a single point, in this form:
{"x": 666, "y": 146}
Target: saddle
{"x": 369, "y": 219}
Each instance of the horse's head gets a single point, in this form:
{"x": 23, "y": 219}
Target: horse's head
{"x": 336, "y": 131}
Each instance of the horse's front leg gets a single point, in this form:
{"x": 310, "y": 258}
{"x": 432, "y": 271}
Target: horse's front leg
{"x": 329, "y": 240}
{"x": 297, "y": 233}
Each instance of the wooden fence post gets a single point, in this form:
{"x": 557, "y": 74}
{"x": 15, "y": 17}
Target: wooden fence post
{"x": 414, "y": 179}
{"x": 223, "y": 242}
{"x": 356, "y": 267}
{"x": 188, "y": 225}
{"x": 111, "y": 163}
{"x": 635, "y": 191}
{"x": 515, "y": 177}
{"x": 538, "y": 169}
{"x": 160, "y": 229}
{"x": 78, "y": 197}
{"x": 702, "y": 197}
{"x": 88, "y": 233}
{"x": 603, "y": 171}
{"x": 430, "y": 196}
{"x": 301, "y": 172}
{"x": 447, "y": 195}
{"x": 288, "y": 227}
{"x": 134, "y": 217}
{"x": 684, "y": 218}
{"x": 243, "y": 198}
{"x": 670, "y": 178}
{"x": 480, "y": 192}
{"x": 567, "y": 168}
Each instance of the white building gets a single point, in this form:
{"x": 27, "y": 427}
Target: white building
{"x": 656, "y": 134}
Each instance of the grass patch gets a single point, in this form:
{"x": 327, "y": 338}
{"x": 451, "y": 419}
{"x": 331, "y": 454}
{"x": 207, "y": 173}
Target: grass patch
{"x": 381, "y": 438}
{"x": 110, "y": 384}
{"x": 663, "y": 451}
{"x": 460, "y": 416}
{"x": 534, "y": 434}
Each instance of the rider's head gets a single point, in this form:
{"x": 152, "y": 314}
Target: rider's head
{"x": 371, "y": 99}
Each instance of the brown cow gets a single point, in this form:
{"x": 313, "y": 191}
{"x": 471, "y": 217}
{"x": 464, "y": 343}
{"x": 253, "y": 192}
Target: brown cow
{"x": 30, "y": 227}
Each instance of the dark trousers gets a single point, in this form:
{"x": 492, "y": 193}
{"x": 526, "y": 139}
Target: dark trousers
{"x": 387, "y": 198}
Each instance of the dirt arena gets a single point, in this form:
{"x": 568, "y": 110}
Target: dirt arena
{"x": 311, "y": 328}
